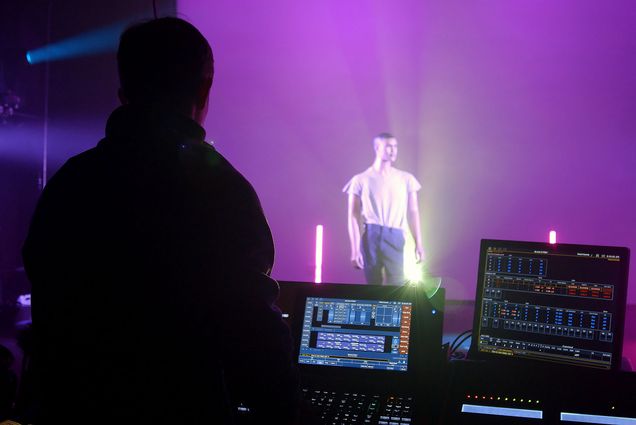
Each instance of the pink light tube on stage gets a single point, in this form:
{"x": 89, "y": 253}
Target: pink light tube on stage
{"x": 318, "y": 273}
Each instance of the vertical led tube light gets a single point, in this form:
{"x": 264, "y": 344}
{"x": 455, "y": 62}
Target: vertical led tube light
{"x": 318, "y": 274}
{"x": 552, "y": 237}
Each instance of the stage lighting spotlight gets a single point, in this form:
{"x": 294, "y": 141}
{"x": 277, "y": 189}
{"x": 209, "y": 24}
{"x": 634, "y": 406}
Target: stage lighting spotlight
{"x": 93, "y": 42}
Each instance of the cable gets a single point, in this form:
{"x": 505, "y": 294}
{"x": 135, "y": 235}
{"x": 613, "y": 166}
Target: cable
{"x": 154, "y": 8}
{"x": 452, "y": 346}
{"x": 460, "y": 343}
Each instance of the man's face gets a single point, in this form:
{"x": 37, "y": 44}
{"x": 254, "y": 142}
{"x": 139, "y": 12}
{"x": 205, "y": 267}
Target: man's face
{"x": 386, "y": 149}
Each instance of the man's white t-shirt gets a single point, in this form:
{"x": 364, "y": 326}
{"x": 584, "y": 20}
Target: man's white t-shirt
{"x": 384, "y": 197}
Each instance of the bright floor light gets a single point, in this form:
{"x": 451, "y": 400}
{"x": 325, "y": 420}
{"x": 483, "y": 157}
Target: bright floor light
{"x": 552, "y": 237}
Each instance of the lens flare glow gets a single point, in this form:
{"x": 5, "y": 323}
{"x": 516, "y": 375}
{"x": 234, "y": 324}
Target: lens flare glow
{"x": 417, "y": 274}
{"x": 413, "y": 272}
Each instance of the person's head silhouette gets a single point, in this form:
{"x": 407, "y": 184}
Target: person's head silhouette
{"x": 166, "y": 62}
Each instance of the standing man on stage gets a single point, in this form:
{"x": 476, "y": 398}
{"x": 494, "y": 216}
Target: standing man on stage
{"x": 382, "y": 199}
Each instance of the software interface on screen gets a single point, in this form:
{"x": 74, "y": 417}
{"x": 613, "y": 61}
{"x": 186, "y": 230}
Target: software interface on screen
{"x": 356, "y": 333}
{"x": 552, "y": 305}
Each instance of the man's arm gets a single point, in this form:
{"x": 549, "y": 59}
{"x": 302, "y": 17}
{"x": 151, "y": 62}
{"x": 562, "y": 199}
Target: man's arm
{"x": 258, "y": 363}
{"x": 413, "y": 218}
{"x": 355, "y": 223}
{"x": 257, "y": 360}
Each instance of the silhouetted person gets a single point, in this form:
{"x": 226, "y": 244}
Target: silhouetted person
{"x": 149, "y": 258}
{"x": 8, "y": 383}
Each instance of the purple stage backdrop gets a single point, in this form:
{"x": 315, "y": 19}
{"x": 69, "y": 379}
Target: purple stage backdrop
{"x": 517, "y": 117}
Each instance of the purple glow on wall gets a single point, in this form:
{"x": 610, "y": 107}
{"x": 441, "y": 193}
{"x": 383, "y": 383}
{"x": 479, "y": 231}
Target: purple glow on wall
{"x": 515, "y": 116}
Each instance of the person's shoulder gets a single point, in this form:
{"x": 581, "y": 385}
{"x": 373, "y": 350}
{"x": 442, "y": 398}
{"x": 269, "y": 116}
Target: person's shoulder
{"x": 220, "y": 167}
{"x": 76, "y": 167}
{"x": 68, "y": 186}
{"x": 354, "y": 184}
{"x": 403, "y": 174}
{"x": 399, "y": 171}
{"x": 408, "y": 179}
{"x": 213, "y": 158}
{"x": 82, "y": 159}
{"x": 366, "y": 173}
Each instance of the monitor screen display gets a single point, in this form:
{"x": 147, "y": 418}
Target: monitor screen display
{"x": 558, "y": 303}
{"x": 356, "y": 333}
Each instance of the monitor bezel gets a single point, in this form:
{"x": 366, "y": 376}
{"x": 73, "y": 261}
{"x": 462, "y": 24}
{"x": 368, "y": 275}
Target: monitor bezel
{"x": 427, "y": 345}
{"x": 620, "y": 293}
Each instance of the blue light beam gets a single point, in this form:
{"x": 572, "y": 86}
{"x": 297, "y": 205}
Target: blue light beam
{"x": 93, "y": 42}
